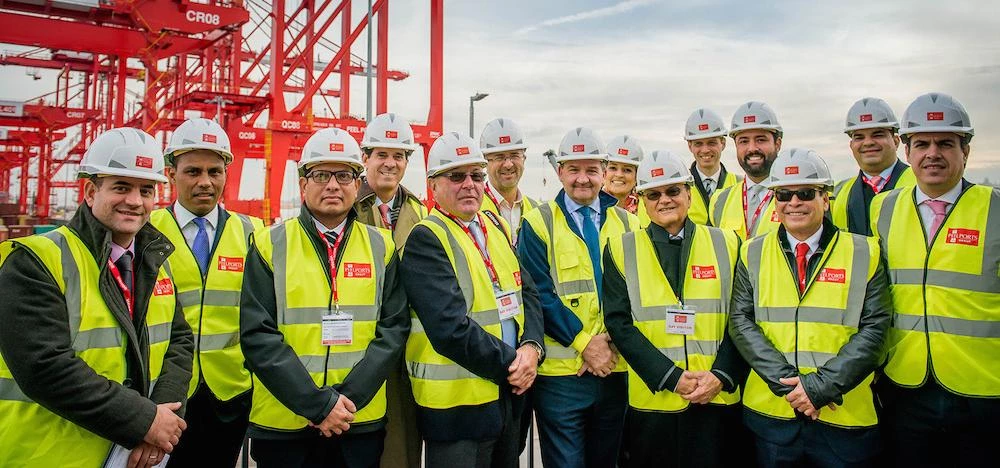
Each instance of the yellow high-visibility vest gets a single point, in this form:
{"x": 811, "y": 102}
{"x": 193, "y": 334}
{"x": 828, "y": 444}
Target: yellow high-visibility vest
{"x": 946, "y": 296}
{"x": 698, "y": 213}
{"x": 726, "y": 212}
{"x": 842, "y": 195}
{"x": 34, "y": 436}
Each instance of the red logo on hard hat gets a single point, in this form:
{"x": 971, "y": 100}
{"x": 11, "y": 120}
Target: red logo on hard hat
{"x": 142, "y": 161}
{"x": 231, "y": 264}
{"x": 623, "y": 151}
{"x": 505, "y": 139}
{"x": 391, "y": 134}
{"x": 702, "y": 127}
{"x": 462, "y": 150}
{"x": 963, "y": 237}
{"x": 209, "y": 138}
{"x": 579, "y": 148}
{"x": 749, "y": 118}
{"x": 935, "y": 116}
{"x": 336, "y": 147}
{"x": 357, "y": 270}
{"x": 163, "y": 287}
{"x": 865, "y": 118}
{"x": 703, "y": 272}
{"x": 832, "y": 275}
{"x": 791, "y": 170}
{"x": 656, "y": 172}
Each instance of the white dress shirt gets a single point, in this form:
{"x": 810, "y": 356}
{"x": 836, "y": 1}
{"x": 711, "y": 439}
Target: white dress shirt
{"x": 509, "y": 211}
{"x": 185, "y": 219}
{"x": 812, "y": 241}
{"x": 714, "y": 177}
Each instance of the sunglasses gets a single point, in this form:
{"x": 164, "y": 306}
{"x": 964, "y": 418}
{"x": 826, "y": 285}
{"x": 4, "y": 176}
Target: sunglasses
{"x": 459, "y": 177}
{"x": 323, "y": 177}
{"x": 653, "y": 195}
{"x": 806, "y": 194}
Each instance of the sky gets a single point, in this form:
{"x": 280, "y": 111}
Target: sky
{"x": 640, "y": 67}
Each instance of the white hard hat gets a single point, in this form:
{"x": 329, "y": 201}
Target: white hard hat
{"x": 703, "y": 123}
{"x": 661, "y": 168}
{"x": 388, "y": 131}
{"x": 798, "y": 166}
{"x": 196, "y": 134}
{"x": 331, "y": 145}
{"x": 625, "y": 149}
{"x": 501, "y": 135}
{"x": 755, "y": 115}
{"x": 936, "y": 112}
{"x": 870, "y": 112}
{"x": 125, "y": 152}
{"x": 581, "y": 143}
{"x": 453, "y": 150}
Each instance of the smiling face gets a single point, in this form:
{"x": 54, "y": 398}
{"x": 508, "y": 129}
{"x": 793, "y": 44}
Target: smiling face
{"x": 707, "y": 152}
{"x": 121, "y": 204}
{"x": 461, "y": 199}
{"x": 802, "y": 218}
{"x": 582, "y": 179}
{"x": 756, "y": 150}
{"x": 874, "y": 148}
{"x": 329, "y": 202}
{"x": 384, "y": 168}
{"x": 505, "y": 169}
{"x": 938, "y": 161}
{"x": 668, "y": 211}
{"x": 620, "y": 179}
{"x": 200, "y": 177}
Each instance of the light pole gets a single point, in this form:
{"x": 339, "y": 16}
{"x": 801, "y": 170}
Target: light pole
{"x": 472, "y": 109}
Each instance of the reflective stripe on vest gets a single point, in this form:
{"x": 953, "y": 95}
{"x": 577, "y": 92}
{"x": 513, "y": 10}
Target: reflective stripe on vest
{"x": 303, "y": 296}
{"x": 727, "y": 213}
{"x": 573, "y": 277}
{"x": 809, "y": 331}
{"x": 96, "y": 338}
{"x": 650, "y": 294}
{"x": 946, "y": 297}
{"x": 439, "y": 382}
{"x": 841, "y": 199}
{"x": 698, "y": 213}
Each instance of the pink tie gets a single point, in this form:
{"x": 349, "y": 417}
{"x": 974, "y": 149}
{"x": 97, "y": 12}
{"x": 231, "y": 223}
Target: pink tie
{"x": 940, "y": 208}
{"x": 384, "y": 209}
{"x": 875, "y": 182}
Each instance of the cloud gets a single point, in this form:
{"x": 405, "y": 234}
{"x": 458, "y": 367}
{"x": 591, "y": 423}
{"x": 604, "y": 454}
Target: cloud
{"x": 612, "y": 10}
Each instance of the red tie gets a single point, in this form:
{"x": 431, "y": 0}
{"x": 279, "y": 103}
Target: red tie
{"x": 384, "y": 209}
{"x": 800, "y": 264}
{"x": 875, "y": 182}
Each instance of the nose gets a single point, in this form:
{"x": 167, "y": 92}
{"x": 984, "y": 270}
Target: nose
{"x": 134, "y": 197}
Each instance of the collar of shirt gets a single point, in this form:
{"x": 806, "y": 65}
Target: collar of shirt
{"x": 714, "y": 177}
{"x": 573, "y": 206}
{"x": 185, "y": 217}
{"x": 751, "y": 184}
{"x": 379, "y": 202}
{"x": 503, "y": 201}
{"x": 950, "y": 196}
{"x": 337, "y": 229}
{"x": 117, "y": 251}
{"x": 885, "y": 173}
{"x": 812, "y": 241}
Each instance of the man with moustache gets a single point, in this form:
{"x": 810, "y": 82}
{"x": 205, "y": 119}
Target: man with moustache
{"x": 748, "y": 209}
{"x": 666, "y": 301}
{"x": 872, "y": 127}
{"x": 323, "y": 321}
{"x": 810, "y": 312}
{"x": 477, "y": 331}
{"x": 383, "y": 202}
{"x": 207, "y": 264}
{"x": 94, "y": 348}
{"x": 942, "y": 388}
{"x": 503, "y": 146}
{"x": 705, "y": 133}
{"x": 580, "y": 397}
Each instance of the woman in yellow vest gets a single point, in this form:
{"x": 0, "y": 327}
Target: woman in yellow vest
{"x": 96, "y": 354}
{"x": 624, "y": 155}
{"x": 810, "y": 313}
{"x": 666, "y": 301}
{"x": 322, "y": 320}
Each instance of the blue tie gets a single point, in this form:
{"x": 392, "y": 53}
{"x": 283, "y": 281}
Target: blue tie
{"x": 200, "y": 247}
{"x": 593, "y": 241}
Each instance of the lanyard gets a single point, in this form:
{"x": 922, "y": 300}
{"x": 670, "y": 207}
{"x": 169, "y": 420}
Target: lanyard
{"x": 494, "y": 277}
{"x": 331, "y": 252}
{"x": 121, "y": 284}
{"x": 760, "y": 206}
{"x": 632, "y": 203}
{"x": 489, "y": 193}
{"x": 876, "y": 187}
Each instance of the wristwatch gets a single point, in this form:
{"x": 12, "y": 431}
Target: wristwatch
{"x": 538, "y": 349}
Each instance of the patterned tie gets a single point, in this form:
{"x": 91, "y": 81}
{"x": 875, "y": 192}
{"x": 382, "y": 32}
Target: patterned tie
{"x": 875, "y": 182}
{"x": 800, "y": 264}
{"x": 709, "y": 186}
{"x": 331, "y": 237}
{"x": 752, "y": 204}
{"x": 124, "y": 266}
{"x": 384, "y": 210}
{"x": 940, "y": 209}
{"x": 200, "y": 247}
{"x": 593, "y": 241}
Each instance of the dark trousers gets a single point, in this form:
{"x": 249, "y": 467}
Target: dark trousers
{"x": 402, "y": 439}
{"x": 700, "y": 436}
{"x": 215, "y": 430}
{"x": 501, "y": 452}
{"x": 580, "y": 419}
{"x": 930, "y": 426}
{"x": 345, "y": 451}
{"x": 820, "y": 445}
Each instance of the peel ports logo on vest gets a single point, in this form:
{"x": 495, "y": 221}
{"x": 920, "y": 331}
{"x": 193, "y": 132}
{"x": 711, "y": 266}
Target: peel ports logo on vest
{"x": 517, "y": 278}
{"x": 357, "y": 270}
{"x": 963, "y": 237}
{"x": 234, "y": 264}
{"x": 163, "y": 287}
{"x": 832, "y": 275}
{"x": 703, "y": 272}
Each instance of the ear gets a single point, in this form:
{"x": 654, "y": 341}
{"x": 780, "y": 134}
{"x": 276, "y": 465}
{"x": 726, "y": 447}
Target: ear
{"x": 302, "y": 184}
{"x": 777, "y": 144}
{"x": 172, "y": 174}
{"x": 89, "y": 192}
{"x": 722, "y": 140}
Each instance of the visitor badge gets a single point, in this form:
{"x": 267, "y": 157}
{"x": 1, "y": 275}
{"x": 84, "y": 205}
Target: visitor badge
{"x": 680, "y": 320}
{"x": 338, "y": 329}
{"x": 508, "y": 305}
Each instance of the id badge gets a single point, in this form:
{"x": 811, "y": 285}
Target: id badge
{"x": 508, "y": 305}
{"x": 338, "y": 329}
{"x": 680, "y": 320}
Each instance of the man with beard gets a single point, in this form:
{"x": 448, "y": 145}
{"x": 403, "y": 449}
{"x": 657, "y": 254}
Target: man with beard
{"x": 749, "y": 209}
{"x": 705, "y": 133}
{"x": 210, "y": 247}
{"x": 503, "y": 146}
{"x": 872, "y": 127}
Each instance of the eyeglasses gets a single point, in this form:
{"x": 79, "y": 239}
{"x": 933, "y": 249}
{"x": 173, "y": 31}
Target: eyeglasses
{"x": 323, "y": 177}
{"x": 459, "y": 177}
{"x": 502, "y": 159}
{"x": 806, "y": 194}
{"x": 653, "y": 195}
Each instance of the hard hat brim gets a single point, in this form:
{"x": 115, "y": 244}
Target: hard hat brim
{"x": 826, "y": 183}
{"x": 665, "y": 182}
{"x": 619, "y": 159}
{"x": 866, "y": 126}
{"x": 771, "y": 128}
{"x": 502, "y": 148}
{"x": 447, "y": 167}
{"x": 583, "y": 157}
{"x": 357, "y": 166}
{"x": 937, "y": 129}
{"x": 702, "y": 136}
{"x": 86, "y": 171}
{"x": 172, "y": 153}
{"x": 389, "y": 145}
